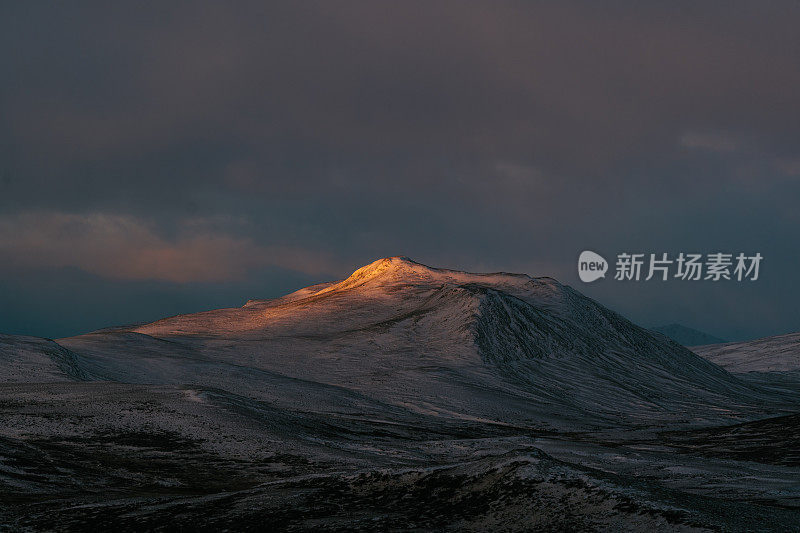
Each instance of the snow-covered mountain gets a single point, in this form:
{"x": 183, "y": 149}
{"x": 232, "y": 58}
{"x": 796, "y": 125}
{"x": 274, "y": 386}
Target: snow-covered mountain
{"x": 500, "y": 347}
{"x": 780, "y": 353}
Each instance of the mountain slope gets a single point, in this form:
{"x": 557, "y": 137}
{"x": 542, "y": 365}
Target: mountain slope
{"x": 34, "y": 360}
{"x": 771, "y": 354}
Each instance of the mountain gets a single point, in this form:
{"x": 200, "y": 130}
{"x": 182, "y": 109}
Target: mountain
{"x": 686, "y": 336}
{"x": 771, "y": 354}
{"x": 507, "y": 348}
{"x": 402, "y": 397}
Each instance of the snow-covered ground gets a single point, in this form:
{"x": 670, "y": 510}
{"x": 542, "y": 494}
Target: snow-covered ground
{"x": 403, "y": 396}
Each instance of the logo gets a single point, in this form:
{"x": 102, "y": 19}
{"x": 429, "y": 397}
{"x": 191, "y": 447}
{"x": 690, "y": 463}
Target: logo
{"x": 591, "y": 266}
{"x": 717, "y": 266}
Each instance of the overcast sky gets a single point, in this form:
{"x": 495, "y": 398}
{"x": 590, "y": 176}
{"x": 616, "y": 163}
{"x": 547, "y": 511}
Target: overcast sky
{"x": 172, "y": 157}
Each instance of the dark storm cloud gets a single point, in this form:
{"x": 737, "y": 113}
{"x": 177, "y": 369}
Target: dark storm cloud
{"x": 315, "y": 136}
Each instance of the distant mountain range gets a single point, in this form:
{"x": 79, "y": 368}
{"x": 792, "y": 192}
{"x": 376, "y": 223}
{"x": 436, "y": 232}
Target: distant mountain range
{"x": 686, "y": 336}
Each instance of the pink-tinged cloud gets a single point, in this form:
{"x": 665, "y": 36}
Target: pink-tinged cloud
{"x": 128, "y": 248}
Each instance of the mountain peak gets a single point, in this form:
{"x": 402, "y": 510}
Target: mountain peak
{"x": 403, "y": 270}
{"x": 398, "y": 264}
{"x": 388, "y": 269}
